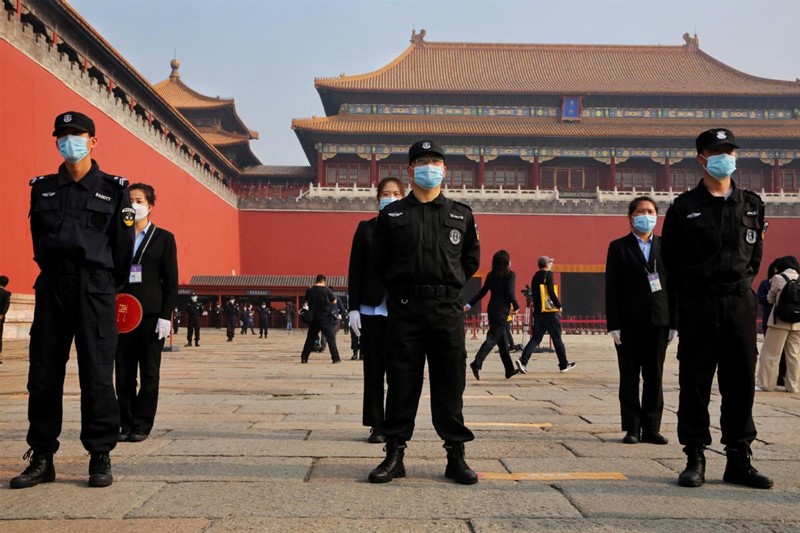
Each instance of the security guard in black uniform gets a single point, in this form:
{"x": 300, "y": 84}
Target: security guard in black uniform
{"x": 82, "y": 228}
{"x": 712, "y": 245}
{"x": 426, "y": 246}
{"x": 194, "y": 310}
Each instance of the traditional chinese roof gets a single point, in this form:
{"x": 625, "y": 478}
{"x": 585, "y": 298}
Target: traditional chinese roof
{"x": 261, "y": 281}
{"x": 183, "y": 98}
{"x": 522, "y": 127}
{"x": 558, "y": 70}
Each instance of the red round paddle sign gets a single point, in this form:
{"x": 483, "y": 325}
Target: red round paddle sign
{"x": 129, "y": 312}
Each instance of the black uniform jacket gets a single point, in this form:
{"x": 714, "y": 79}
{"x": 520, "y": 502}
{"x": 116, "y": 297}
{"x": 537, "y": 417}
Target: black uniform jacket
{"x": 89, "y": 222}
{"x": 502, "y": 287}
{"x": 5, "y": 301}
{"x": 158, "y": 291}
{"x": 365, "y": 285}
{"x": 194, "y": 310}
{"x": 431, "y": 243}
{"x": 543, "y": 277}
{"x": 321, "y": 301}
{"x": 629, "y": 300}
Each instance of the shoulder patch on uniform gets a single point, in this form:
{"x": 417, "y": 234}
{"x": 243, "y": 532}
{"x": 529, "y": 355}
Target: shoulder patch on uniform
{"x": 40, "y": 179}
{"x": 120, "y": 182}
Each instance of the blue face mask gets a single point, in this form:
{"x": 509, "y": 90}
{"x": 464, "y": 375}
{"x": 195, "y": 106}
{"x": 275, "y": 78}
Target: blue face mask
{"x": 383, "y": 202}
{"x": 428, "y": 176}
{"x": 72, "y": 148}
{"x": 720, "y": 166}
{"x": 644, "y": 223}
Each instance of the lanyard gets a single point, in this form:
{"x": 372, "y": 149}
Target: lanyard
{"x": 143, "y": 247}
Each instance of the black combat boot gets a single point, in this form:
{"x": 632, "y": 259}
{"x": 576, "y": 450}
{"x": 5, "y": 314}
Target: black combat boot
{"x": 694, "y": 474}
{"x": 457, "y": 467}
{"x": 40, "y": 470}
{"x": 739, "y": 471}
{"x": 392, "y": 466}
{"x": 100, "y": 470}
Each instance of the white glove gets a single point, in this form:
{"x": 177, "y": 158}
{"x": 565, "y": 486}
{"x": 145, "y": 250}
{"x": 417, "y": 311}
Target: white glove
{"x": 615, "y": 334}
{"x": 671, "y": 335}
{"x": 355, "y": 322}
{"x": 163, "y": 328}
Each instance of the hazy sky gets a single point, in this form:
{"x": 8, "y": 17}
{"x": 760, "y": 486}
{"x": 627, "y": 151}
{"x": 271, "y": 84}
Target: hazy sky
{"x": 266, "y": 53}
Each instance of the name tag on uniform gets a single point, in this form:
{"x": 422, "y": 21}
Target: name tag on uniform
{"x": 136, "y": 274}
{"x": 655, "y": 283}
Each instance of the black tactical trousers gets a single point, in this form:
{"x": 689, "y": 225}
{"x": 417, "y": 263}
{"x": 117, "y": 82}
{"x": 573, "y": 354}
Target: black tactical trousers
{"x": 419, "y": 329}
{"x": 193, "y": 328}
{"x": 717, "y": 333}
{"x": 328, "y": 328}
{"x": 73, "y": 302}
{"x": 139, "y": 350}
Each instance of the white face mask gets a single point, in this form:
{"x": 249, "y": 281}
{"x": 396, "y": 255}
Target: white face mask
{"x": 141, "y": 211}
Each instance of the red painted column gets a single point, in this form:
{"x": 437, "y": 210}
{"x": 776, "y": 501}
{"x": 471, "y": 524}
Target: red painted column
{"x": 612, "y": 174}
{"x": 481, "y": 173}
{"x": 776, "y": 176}
{"x": 537, "y": 173}
{"x": 320, "y": 169}
{"x": 373, "y": 171}
{"x": 667, "y": 181}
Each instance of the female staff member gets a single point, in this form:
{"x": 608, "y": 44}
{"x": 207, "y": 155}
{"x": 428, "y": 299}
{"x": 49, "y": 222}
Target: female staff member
{"x": 501, "y": 281}
{"x": 154, "y": 281}
{"x": 637, "y": 313}
{"x": 368, "y": 312}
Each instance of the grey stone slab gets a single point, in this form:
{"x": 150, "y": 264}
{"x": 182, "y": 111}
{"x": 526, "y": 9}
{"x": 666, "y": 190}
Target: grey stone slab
{"x": 618, "y": 449}
{"x": 714, "y": 500}
{"x": 337, "y": 525}
{"x": 397, "y": 500}
{"x": 73, "y": 499}
{"x": 173, "y": 525}
{"x": 271, "y": 448}
{"x": 229, "y": 433}
{"x": 571, "y": 525}
{"x": 176, "y": 469}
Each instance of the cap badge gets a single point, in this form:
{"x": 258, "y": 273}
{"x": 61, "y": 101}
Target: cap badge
{"x": 67, "y": 118}
{"x": 721, "y": 135}
{"x": 455, "y": 236}
{"x": 426, "y": 145}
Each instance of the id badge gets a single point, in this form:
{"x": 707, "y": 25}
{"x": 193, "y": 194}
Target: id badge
{"x": 655, "y": 283}
{"x": 136, "y": 274}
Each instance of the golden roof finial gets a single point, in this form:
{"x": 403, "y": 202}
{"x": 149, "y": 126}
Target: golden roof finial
{"x": 175, "y": 64}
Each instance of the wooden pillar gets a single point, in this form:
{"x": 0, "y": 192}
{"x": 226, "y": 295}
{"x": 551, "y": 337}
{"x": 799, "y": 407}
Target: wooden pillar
{"x": 481, "y": 173}
{"x": 776, "y": 176}
{"x": 536, "y": 180}
{"x": 373, "y": 171}
{"x": 611, "y": 180}
{"x": 320, "y": 169}
{"x": 666, "y": 183}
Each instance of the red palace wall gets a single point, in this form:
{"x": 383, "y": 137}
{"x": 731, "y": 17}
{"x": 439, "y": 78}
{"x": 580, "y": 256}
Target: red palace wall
{"x": 294, "y": 243}
{"x": 205, "y": 226}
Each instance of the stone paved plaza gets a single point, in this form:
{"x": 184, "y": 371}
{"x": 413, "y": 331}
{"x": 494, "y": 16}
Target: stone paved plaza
{"x": 247, "y": 439}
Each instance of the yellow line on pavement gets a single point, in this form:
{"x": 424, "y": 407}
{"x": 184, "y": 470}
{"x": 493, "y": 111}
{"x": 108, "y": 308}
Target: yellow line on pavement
{"x": 512, "y": 424}
{"x": 551, "y": 476}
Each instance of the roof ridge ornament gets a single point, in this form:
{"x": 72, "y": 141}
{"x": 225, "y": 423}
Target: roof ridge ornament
{"x": 175, "y": 64}
{"x": 418, "y": 38}
{"x": 691, "y": 42}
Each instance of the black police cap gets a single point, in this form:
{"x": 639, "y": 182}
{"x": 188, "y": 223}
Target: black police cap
{"x": 424, "y": 147}
{"x": 714, "y": 137}
{"x": 75, "y": 121}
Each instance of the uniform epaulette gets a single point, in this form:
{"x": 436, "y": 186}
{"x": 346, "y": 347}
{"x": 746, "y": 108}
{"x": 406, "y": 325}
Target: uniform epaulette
{"x": 41, "y": 179}
{"x": 462, "y": 204}
{"x": 684, "y": 193}
{"x": 120, "y": 182}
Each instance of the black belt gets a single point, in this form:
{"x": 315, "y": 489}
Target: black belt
{"x": 427, "y": 291}
{"x": 731, "y": 287}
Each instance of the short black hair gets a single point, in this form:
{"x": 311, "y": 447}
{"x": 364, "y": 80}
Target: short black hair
{"x": 320, "y": 277}
{"x": 639, "y": 199}
{"x": 148, "y": 190}
{"x": 787, "y": 261}
{"x": 3, "y": 281}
